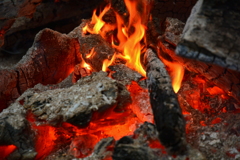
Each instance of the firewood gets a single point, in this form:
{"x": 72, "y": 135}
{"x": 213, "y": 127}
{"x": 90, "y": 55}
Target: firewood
{"x": 50, "y": 60}
{"x": 212, "y": 36}
{"x": 166, "y": 110}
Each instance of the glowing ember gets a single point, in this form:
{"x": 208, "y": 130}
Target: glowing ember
{"x": 6, "y": 150}
{"x": 103, "y": 124}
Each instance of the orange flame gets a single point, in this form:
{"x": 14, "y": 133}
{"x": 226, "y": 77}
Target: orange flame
{"x": 91, "y": 54}
{"x": 129, "y": 35}
{"x": 176, "y": 73}
{"x": 108, "y": 62}
{"x": 96, "y": 21}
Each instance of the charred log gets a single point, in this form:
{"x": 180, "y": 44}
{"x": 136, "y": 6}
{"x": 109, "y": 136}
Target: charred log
{"x": 166, "y": 110}
{"x": 212, "y": 33}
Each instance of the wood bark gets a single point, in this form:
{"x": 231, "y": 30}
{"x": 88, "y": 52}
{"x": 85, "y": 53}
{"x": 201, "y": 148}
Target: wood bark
{"x": 166, "y": 110}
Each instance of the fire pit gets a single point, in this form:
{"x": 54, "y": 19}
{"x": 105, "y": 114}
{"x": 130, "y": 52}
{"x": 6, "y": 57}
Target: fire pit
{"x": 129, "y": 83}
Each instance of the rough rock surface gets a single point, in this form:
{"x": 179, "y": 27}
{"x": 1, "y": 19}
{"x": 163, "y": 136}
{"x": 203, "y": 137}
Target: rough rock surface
{"x": 212, "y": 33}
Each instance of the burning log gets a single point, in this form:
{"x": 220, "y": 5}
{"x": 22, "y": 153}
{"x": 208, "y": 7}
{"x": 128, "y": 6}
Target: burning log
{"x": 213, "y": 73}
{"x": 167, "y": 113}
{"x": 50, "y": 60}
{"x": 93, "y": 47}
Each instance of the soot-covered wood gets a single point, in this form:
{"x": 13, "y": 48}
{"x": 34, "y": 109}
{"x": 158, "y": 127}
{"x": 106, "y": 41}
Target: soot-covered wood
{"x": 166, "y": 110}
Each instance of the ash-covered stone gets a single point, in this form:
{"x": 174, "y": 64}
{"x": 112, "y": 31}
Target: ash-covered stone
{"x": 74, "y": 104}
{"x": 124, "y": 74}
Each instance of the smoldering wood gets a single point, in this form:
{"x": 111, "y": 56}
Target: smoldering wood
{"x": 166, "y": 110}
{"x": 137, "y": 148}
{"x": 50, "y": 60}
{"x": 22, "y": 18}
{"x": 212, "y": 33}
{"x": 10, "y": 10}
{"x": 14, "y": 129}
{"x": 213, "y": 73}
{"x": 75, "y": 104}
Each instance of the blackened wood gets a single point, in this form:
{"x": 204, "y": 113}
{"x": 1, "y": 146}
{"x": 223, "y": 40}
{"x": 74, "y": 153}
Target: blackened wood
{"x": 166, "y": 110}
{"x": 212, "y": 33}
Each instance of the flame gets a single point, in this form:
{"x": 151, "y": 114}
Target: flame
{"x": 176, "y": 72}
{"x": 108, "y": 62}
{"x": 91, "y": 54}
{"x": 129, "y": 35}
{"x": 96, "y": 21}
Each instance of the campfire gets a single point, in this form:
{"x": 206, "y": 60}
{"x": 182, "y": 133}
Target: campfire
{"x": 126, "y": 84}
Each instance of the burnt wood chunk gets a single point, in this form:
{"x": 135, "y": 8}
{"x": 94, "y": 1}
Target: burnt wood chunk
{"x": 50, "y": 60}
{"x": 166, "y": 110}
{"x": 76, "y": 103}
{"x": 212, "y": 33}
